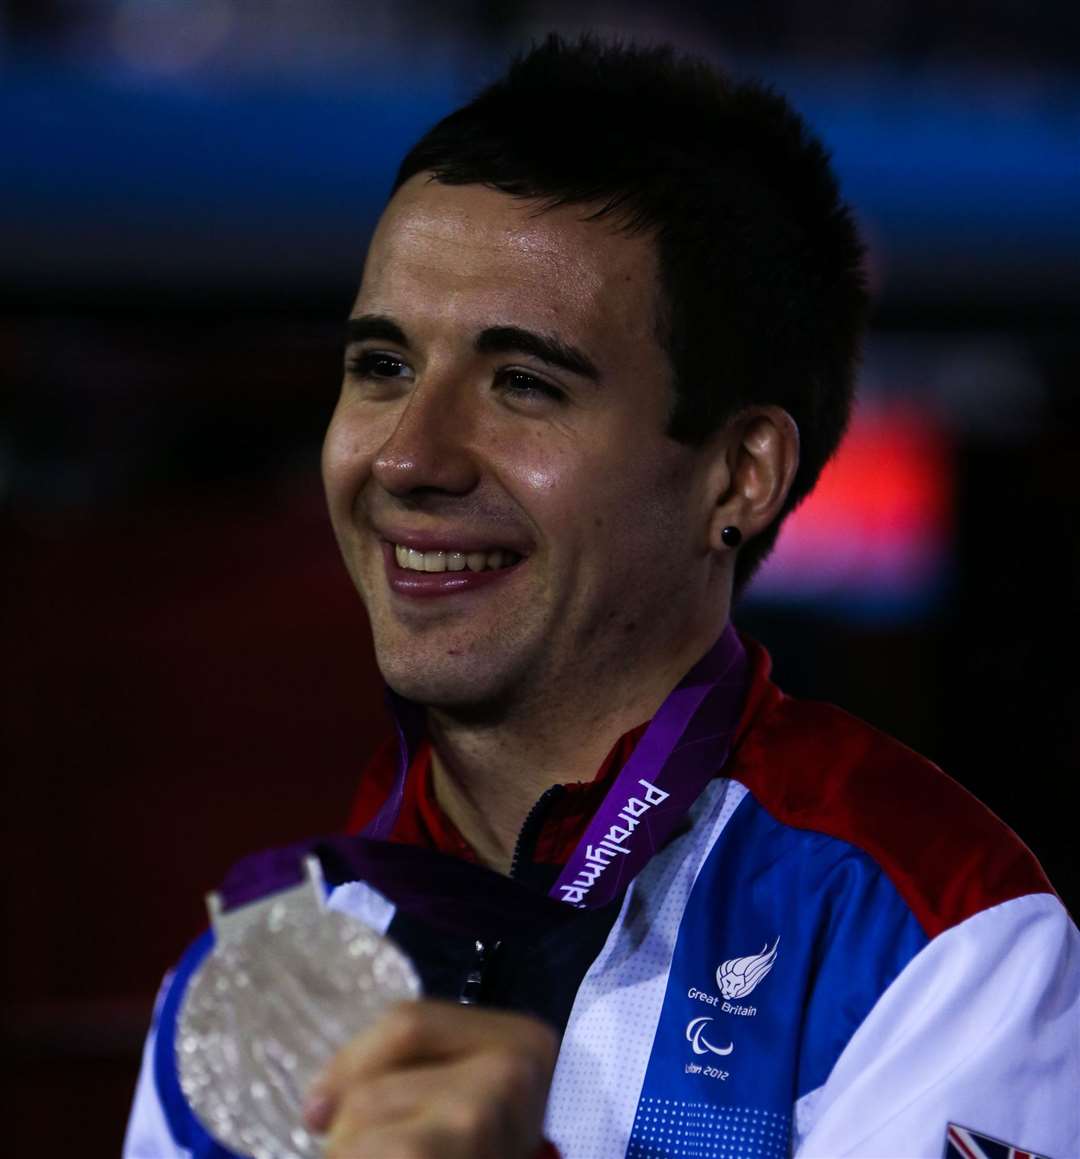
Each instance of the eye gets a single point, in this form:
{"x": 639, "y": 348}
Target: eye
{"x": 523, "y": 385}
{"x": 376, "y": 364}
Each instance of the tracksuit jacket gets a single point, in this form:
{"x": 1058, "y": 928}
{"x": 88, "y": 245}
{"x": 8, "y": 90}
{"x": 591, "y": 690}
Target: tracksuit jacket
{"x": 840, "y": 952}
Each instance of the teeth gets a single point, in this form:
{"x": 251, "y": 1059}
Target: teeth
{"x": 413, "y": 560}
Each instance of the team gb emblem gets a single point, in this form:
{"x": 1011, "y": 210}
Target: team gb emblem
{"x": 738, "y": 976}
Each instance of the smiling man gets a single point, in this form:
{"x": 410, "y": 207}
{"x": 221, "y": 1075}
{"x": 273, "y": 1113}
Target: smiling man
{"x": 532, "y": 546}
{"x": 604, "y": 341}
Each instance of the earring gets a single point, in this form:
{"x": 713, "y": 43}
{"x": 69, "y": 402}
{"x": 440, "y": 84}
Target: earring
{"x": 731, "y": 536}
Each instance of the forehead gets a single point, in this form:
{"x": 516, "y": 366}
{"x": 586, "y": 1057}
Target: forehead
{"x": 476, "y": 256}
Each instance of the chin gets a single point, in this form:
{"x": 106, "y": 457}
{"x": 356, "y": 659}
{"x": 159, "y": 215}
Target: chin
{"x": 454, "y": 684}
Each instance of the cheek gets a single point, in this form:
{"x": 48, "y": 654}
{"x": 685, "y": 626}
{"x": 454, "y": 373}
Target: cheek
{"x": 648, "y": 504}
{"x": 590, "y": 487}
{"x": 548, "y": 479}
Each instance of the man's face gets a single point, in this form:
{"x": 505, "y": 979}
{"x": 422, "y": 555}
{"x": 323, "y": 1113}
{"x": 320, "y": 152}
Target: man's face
{"x": 504, "y": 403}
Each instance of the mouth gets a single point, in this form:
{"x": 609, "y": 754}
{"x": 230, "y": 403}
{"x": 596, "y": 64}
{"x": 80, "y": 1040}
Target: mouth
{"x": 446, "y": 571}
{"x": 409, "y": 559}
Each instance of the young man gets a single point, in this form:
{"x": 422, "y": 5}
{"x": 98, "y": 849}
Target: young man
{"x": 603, "y": 344}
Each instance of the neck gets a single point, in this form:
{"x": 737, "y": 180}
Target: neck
{"x": 488, "y": 776}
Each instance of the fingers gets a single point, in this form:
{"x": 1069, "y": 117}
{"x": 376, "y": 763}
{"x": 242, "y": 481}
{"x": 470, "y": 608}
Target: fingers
{"x": 438, "y": 1080}
{"x": 413, "y": 1033}
{"x": 443, "y": 1111}
{"x": 433, "y": 1029}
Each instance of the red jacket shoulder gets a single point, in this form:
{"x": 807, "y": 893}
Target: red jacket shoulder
{"x": 814, "y": 766}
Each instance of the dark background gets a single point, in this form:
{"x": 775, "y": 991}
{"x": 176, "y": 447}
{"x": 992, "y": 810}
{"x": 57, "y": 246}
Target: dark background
{"x": 185, "y": 195}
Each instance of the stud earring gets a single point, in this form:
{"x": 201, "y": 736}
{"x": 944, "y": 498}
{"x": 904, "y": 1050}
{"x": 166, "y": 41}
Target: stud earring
{"x": 731, "y": 536}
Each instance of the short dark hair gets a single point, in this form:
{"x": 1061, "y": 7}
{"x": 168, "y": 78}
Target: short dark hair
{"x": 761, "y": 266}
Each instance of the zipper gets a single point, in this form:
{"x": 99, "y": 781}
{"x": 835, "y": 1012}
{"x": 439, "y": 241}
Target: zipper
{"x": 474, "y": 980}
{"x": 526, "y": 841}
{"x": 530, "y": 828}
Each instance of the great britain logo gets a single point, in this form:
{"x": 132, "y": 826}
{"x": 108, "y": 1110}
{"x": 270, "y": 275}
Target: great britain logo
{"x": 736, "y": 978}
{"x": 739, "y": 977}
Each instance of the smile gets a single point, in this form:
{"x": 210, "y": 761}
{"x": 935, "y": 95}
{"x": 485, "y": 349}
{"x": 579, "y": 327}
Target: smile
{"x": 421, "y": 575}
{"x": 409, "y": 559}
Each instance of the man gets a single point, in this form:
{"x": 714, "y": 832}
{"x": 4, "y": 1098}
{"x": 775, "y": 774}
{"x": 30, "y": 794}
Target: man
{"x": 603, "y": 344}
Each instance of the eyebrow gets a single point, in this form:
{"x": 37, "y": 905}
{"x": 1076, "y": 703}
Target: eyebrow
{"x": 493, "y": 340}
{"x": 368, "y": 326}
{"x": 547, "y": 347}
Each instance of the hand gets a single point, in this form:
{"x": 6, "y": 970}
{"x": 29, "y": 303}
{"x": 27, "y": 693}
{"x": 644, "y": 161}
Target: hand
{"x": 433, "y": 1080}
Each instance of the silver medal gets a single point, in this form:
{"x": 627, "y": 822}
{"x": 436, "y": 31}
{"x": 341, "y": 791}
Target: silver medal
{"x": 288, "y": 984}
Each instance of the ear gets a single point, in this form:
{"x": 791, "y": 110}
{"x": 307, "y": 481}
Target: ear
{"x": 756, "y": 464}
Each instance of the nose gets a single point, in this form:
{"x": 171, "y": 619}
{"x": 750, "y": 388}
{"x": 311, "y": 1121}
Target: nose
{"x": 429, "y": 445}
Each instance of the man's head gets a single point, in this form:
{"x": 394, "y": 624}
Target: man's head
{"x": 576, "y": 343}
{"x": 761, "y": 288}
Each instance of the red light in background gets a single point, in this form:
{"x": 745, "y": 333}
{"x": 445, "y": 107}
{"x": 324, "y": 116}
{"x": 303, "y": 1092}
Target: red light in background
{"x": 875, "y": 530}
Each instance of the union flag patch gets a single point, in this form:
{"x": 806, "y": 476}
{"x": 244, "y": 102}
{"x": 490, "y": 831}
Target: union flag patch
{"x": 963, "y": 1143}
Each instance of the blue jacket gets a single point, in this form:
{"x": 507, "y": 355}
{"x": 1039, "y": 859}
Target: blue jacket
{"x": 842, "y": 954}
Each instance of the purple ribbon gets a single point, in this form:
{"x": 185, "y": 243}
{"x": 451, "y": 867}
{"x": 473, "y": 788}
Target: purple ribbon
{"x": 684, "y": 747}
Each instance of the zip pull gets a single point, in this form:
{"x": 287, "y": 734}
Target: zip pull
{"x": 474, "y": 980}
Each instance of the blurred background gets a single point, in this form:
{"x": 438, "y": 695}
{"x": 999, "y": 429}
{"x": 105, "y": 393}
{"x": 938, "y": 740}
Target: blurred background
{"x": 186, "y": 189}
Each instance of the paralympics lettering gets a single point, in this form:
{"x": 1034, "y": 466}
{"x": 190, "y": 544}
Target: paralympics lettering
{"x": 599, "y": 856}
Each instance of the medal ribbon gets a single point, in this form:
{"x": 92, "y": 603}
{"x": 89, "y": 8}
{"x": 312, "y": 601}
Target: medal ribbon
{"x": 684, "y": 747}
